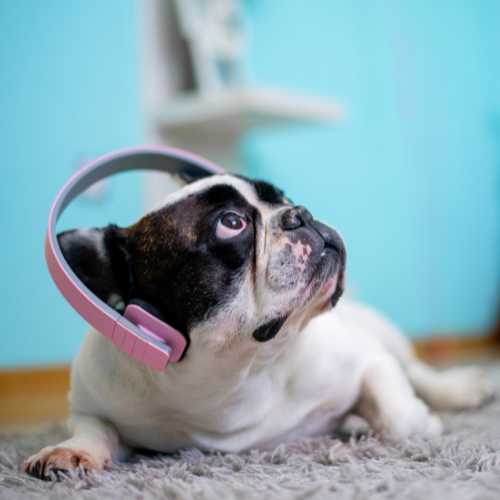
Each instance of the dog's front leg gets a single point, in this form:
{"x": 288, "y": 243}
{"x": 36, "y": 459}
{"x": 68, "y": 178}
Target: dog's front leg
{"x": 390, "y": 405}
{"x": 94, "y": 445}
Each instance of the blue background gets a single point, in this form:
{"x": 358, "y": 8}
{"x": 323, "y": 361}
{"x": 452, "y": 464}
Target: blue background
{"x": 411, "y": 176}
{"x": 70, "y": 82}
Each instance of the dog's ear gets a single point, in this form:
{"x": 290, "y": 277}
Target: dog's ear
{"x": 101, "y": 259}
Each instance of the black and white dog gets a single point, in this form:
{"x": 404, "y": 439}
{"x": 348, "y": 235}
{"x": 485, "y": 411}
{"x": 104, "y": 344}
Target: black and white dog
{"x": 250, "y": 280}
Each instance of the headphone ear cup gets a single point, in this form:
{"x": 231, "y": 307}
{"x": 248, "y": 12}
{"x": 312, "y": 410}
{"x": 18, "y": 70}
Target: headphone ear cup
{"x": 147, "y": 318}
{"x": 147, "y": 307}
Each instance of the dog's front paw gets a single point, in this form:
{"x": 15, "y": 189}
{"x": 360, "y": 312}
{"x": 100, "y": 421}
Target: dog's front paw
{"x": 52, "y": 462}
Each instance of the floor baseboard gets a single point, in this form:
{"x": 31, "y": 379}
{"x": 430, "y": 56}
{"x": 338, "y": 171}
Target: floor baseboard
{"x": 30, "y": 396}
{"x": 447, "y": 349}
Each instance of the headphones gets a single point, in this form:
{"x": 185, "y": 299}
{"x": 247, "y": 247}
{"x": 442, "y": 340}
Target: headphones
{"x": 137, "y": 332}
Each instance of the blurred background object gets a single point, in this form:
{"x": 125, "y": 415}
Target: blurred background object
{"x": 213, "y": 31}
{"x": 395, "y": 108}
{"x": 197, "y": 93}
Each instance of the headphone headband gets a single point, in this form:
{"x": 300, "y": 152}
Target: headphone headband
{"x": 138, "y": 333}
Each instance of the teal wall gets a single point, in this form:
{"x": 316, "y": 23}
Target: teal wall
{"x": 411, "y": 176}
{"x": 69, "y": 89}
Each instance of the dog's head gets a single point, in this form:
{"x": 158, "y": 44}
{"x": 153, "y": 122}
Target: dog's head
{"x": 225, "y": 257}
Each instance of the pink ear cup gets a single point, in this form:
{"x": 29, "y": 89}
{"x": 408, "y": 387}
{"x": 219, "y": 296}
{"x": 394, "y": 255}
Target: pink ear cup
{"x": 159, "y": 330}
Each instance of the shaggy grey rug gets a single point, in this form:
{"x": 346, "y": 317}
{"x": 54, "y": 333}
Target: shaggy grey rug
{"x": 463, "y": 464}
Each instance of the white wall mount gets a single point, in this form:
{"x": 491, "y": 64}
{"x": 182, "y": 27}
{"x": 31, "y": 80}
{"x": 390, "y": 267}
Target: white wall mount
{"x": 208, "y": 117}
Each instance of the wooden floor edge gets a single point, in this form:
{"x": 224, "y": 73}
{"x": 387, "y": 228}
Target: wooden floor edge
{"x": 448, "y": 349}
{"x": 34, "y": 395}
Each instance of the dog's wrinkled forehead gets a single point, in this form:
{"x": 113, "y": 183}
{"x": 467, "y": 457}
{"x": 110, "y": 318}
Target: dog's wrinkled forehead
{"x": 256, "y": 193}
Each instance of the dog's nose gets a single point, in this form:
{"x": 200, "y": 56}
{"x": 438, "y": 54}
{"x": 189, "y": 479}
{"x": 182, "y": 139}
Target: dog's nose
{"x": 299, "y": 216}
{"x": 295, "y": 217}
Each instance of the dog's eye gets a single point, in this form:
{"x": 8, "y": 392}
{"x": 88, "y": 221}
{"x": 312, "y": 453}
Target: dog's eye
{"x": 230, "y": 225}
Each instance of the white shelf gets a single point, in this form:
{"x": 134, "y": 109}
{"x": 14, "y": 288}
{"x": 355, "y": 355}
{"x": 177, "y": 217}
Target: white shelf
{"x": 236, "y": 111}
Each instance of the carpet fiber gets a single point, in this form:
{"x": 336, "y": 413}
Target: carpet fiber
{"x": 463, "y": 464}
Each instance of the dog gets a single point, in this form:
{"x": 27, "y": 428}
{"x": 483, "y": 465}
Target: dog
{"x": 273, "y": 354}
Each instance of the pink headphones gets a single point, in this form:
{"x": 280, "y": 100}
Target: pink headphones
{"x": 137, "y": 333}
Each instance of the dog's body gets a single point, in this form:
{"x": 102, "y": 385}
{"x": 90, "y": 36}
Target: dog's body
{"x": 268, "y": 359}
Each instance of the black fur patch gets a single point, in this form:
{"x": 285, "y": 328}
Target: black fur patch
{"x": 268, "y": 330}
{"x": 266, "y": 192}
{"x": 222, "y": 194}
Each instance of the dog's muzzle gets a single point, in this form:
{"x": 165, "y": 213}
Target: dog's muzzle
{"x": 298, "y": 217}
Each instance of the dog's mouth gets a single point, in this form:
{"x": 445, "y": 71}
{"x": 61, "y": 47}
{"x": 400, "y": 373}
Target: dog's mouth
{"x": 327, "y": 270}
{"x": 326, "y": 281}
{"x": 333, "y": 287}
